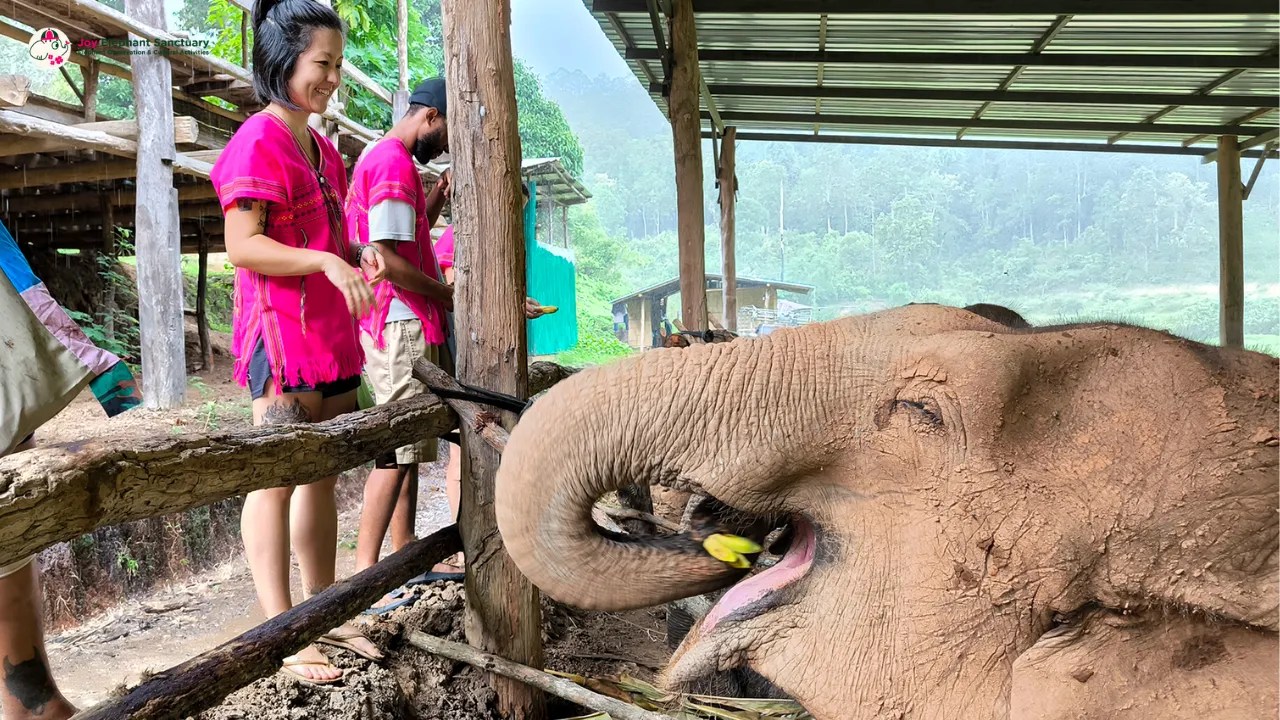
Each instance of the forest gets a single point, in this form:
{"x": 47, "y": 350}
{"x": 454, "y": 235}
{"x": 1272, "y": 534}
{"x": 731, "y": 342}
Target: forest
{"x": 1055, "y": 235}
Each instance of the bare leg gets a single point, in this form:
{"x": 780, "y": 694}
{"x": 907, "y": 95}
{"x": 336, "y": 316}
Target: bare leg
{"x": 380, "y": 501}
{"x": 404, "y": 521}
{"x": 264, "y": 524}
{"x": 29, "y": 690}
{"x": 453, "y": 490}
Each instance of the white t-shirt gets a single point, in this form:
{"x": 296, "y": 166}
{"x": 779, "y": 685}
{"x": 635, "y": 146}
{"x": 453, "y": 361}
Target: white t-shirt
{"x": 394, "y": 220}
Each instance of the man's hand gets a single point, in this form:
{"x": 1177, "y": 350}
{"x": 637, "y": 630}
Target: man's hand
{"x": 444, "y": 183}
{"x": 532, "y": 309}
{"x": 372, "y": 264}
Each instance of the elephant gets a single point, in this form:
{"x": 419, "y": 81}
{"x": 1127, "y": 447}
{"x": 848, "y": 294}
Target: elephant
{"x": 1073, "y": 521}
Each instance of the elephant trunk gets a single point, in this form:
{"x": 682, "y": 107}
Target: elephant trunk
{"x": 719, "y": 417}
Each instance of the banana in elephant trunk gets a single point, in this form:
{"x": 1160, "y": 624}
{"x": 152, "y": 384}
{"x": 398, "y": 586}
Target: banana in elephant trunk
{"x": 986, "y": 521}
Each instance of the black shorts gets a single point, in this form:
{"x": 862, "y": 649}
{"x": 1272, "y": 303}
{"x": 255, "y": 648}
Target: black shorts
{"x": 260, "y": 371}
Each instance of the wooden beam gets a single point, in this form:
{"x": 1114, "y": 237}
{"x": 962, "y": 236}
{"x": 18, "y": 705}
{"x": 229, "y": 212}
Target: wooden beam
{"x": 97, "y": 171}
{"x": 1257, "y": 170}
{"x": 20, "y": 124}
{"x": 1023, "y": 96}
{"x": 685, "y": 126}
{"x": 203, "y": 681}
{"x": 14, "y": 90}
{"x": 503, "y": 613}
{"x": 157, "y": 238}
{"x": 1036, "y": 48}
{"x": 1099, "y": 126}
{"x": 1230, "y": 245}
{"x": 980, "y": 144}
{"x": 1259, "y": 139}
{"x": 843, "y": 8}
{"x": 185, "y": 129}
{"x": 659, "y": 40}
{"x": 50, "y": 202}
{"x": 960, "y": 59}
{"x": 728, "y": 196}
{"x": 1241, "y": 120}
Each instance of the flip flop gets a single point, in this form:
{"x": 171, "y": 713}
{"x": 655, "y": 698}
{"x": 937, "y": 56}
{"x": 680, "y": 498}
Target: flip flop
{"x": 435, "y": 577}
{"x": 341, "y": 638}
{"x": 383, "y": 610}
{"x": 293, "y": 661}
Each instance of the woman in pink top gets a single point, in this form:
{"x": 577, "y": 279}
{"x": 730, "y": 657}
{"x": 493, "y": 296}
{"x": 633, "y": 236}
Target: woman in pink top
{"x": 298, "y": 296}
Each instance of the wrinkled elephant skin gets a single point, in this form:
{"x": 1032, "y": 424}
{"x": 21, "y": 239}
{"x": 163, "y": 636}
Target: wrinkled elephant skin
{"x": 981, "y": 515}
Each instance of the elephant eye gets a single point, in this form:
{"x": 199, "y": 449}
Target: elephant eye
{"x": 926, "y": 410}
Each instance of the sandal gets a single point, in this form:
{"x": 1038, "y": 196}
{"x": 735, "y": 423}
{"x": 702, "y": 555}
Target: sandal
{"x": 342, "y": 637}
{"x": 293, "y": 661}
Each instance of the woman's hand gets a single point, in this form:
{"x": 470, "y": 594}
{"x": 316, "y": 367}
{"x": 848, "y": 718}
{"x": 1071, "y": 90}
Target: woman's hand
{"x": 351, "y": 284}
{"x": 372, "y": 263}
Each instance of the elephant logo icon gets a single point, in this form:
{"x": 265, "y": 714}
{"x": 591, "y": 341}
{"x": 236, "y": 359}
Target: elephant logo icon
{"x": 49, "y": 47}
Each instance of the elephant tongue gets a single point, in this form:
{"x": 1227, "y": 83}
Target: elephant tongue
{"x": 790, "y": 568}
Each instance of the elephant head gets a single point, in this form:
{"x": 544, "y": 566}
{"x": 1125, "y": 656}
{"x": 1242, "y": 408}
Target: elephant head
{"x": 955, "y": 488}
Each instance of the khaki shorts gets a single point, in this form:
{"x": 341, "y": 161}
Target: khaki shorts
{"x": 390, "y": 374}
{"x": 7, "y": 570}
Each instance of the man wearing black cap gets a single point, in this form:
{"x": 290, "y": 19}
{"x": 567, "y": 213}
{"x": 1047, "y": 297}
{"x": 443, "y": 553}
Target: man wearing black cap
{"x": 387, "y": 206}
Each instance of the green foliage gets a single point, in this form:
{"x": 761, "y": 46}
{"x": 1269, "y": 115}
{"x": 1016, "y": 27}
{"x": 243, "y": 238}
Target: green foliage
{"x": 596, "y": 341}
{"x": 544, "y": 132}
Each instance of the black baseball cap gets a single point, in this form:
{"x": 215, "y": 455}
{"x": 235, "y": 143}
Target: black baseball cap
{"x": 430, "y": 93}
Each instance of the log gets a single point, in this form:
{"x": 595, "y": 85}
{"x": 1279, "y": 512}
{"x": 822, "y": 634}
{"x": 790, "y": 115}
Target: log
{"x": 96, "y": 171}
{"x": 19, "y": 124}
{"x": 729, "y": 262}
{"x": 649, "y": 519}
{"x": 203, "y": 681}
{"x": 559, "y": 687}
{"x": 1230, "y": 244}
{"x": 58, "y": 492}
{"x": 638, "y": 500}
{"x": 14, "y": 90}
{"x": 686, "y": 131}
{"x": 503, "y": 615}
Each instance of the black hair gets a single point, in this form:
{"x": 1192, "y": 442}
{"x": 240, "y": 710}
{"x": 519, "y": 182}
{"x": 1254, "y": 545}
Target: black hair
{"x": 282, "y": 31}
{"x": 414, "y": 109}
{"x": 524, "y": 188}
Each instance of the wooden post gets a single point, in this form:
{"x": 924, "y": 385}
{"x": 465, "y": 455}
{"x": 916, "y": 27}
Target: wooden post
{"x": 400, "y": 101}
{"x": 109, "y": 250}
{"x": 244, "y": 38}
{"x": 729, "y": 261}
{"x": 564, "y": 224}
{"x": 156, "y": 235}
{"x": 686, "y": 130}
{"x": 202, "y": 308}
{"x": 90, "y": 74}
{"x": 503, "y": 616}
{"x": 1230, "y": 244}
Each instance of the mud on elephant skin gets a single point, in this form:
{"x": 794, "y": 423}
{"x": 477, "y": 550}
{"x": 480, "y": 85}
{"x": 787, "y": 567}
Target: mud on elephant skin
{"x": 961, "y": 495}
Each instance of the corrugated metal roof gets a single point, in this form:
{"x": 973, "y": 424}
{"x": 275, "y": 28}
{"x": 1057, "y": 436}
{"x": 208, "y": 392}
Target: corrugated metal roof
{"x": 1038, "y": 76}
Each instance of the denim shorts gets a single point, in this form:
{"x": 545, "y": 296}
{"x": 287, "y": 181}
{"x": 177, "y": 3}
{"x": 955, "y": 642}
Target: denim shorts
{"x": 260, "y": 371}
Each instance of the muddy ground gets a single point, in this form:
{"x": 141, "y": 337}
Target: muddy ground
{"x": 111, "y": 632}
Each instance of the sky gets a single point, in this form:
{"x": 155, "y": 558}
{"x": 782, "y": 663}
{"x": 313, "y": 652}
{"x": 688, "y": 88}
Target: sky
{"x": 553, "y": 34}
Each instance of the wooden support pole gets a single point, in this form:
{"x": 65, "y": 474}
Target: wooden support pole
{"x": 90, "y": 74}
{"x": 564, "y": 224}
{"x": 1230, "y": 244}
{"x": 157, "y": 242}
{"x": 559, "y": 687}
{"x": 729, "y": 261}
{"x": 55, "y": 493}
{"x": 503, "y": 615}
{"x": 686, "y": 130}
{"x": 108, "y": 249}
{"x": 400, "y": 101}
{"x": 244, "y": 38}
{"x": 203, "y": 681}
{"x": 202, "y": 307}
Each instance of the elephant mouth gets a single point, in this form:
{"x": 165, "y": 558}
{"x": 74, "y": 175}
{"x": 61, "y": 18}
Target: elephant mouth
{"x": 756, "y": 593}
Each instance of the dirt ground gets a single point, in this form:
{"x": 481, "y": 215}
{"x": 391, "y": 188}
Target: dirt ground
{"x": 175, "y": 622}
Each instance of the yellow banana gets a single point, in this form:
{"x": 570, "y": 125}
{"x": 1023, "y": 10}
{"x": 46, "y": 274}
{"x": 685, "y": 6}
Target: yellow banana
{"x": 729, "y": 549}
{"x": 548, "y": 309}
